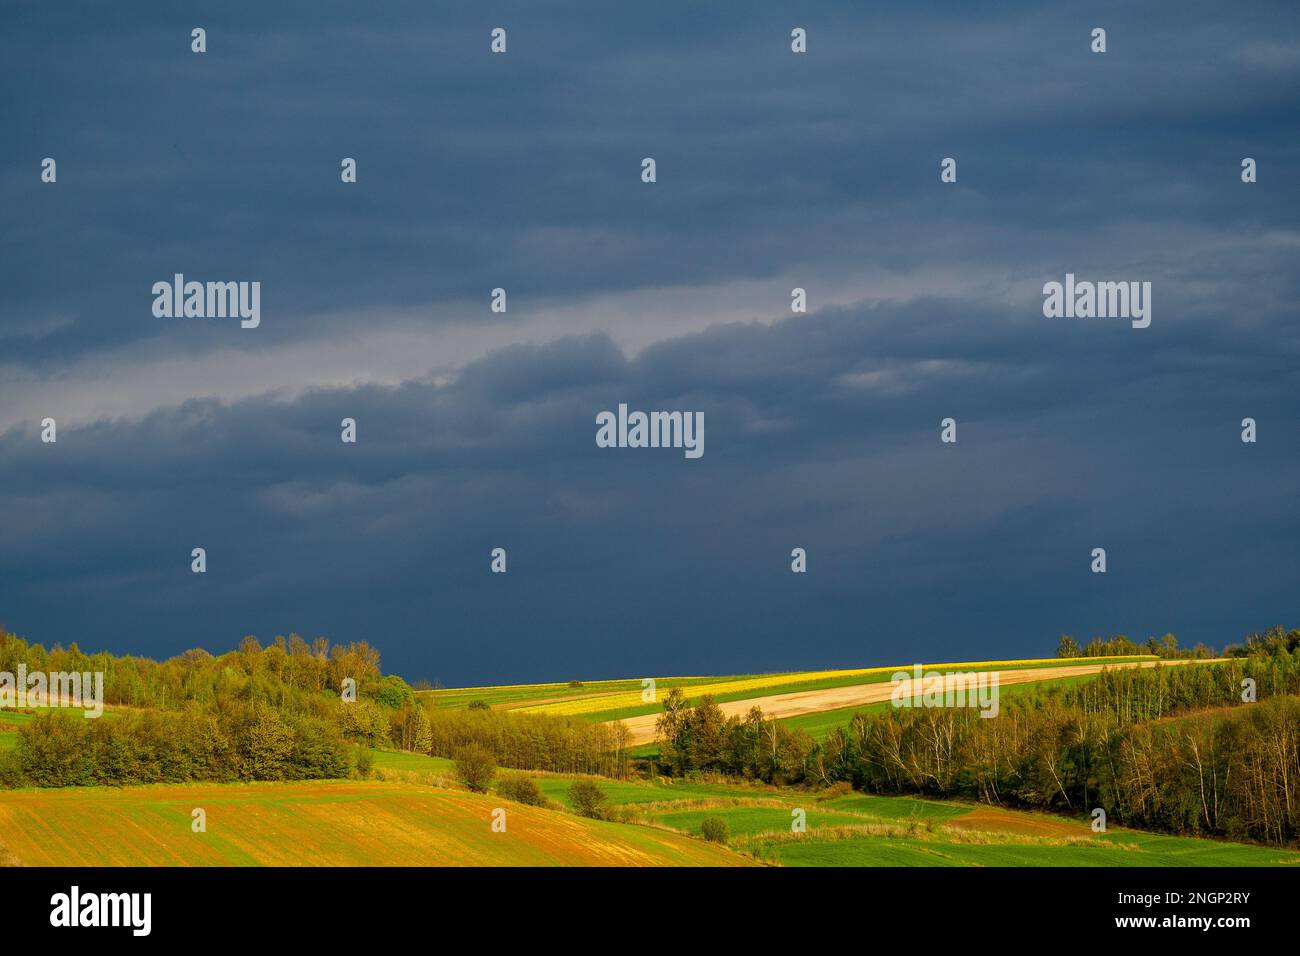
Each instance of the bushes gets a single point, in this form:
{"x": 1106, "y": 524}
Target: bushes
{"x": 533, "y": 741}
{"x": 475, "y": 767}
{"x": 240, "y": 742}
{"x": 714, "y": 829}
{"x": 363, "y": 722}
{"x": 292, "y": 674}
{"x": 702, "y": 739}
{"x": 392, "y": 692}
{"x": 410, "y": 728}
{"x": 317, "y": 752}
{"x": 838, "y": 789}
{"x": 11, "y": 771}
{"x": 522, "y": 789}
{"x": 365, "y": 764}
{"x": 588, "y": 799}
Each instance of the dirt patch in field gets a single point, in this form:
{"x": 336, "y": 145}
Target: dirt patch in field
{"x": 993, "y": 819}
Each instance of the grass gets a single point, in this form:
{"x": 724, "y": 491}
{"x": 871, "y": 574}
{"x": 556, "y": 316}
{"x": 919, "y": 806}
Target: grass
{"x": 1137, "y": 849}
{"x": 753, "y": 821}
{"x": 864, "y": 830}
{"x": 413, "y": 763}
{"x": 900, "y": 808}
{"x": 10, "y": 721}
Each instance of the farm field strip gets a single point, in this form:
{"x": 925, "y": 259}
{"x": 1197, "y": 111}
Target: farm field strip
{"x": 820, "y": 724}
{"x": 642, "y": 727}
{"x": 621, "y": 699}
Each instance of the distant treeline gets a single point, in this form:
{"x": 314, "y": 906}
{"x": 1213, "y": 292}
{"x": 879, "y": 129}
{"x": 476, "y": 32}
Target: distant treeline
{"x": 1266, "y": 642}
{"x": 1120, "y": 646}
{"x": 533, "y": 741}
{"x": 1275, "y": 640}
{"x": 288, "y": 674}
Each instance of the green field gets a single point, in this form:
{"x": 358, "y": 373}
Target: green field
{"x": 1130, "y": 849}
{"x": 10, "y": 721}
{"x": 858, "y": 829}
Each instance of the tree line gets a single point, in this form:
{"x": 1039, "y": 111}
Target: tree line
{"x": 288, "y": 674}
{"x": 1171, "y": 748}
{"x": 1168, "y": 748}
{"x": 701, "y": 739}
{"x": 1266, "y": 642}
{"x": 559, "y": 744}
{"x": 233, "y": 741}
{"x": 256, "y": 713}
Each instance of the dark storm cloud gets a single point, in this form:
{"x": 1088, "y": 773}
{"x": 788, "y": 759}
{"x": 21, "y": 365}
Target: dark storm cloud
{"x": 480, "y": 170}
{"x": 622, "y": 561}
{"x": 821, "y": 431}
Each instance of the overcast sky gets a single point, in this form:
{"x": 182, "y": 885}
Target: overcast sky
{"x": 476, "y": 430}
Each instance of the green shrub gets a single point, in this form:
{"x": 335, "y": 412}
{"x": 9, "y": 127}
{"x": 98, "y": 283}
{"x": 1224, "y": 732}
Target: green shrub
{"x": 714, "y": 829}
{"x": 365, "y": 763}
{"x": 11, "y": 770}
{"x": 838, "y": 789}
{"x": 392, "y": 692}
{"x": 475, "y": 767}
{"x": 587, "y": 799}
{"x": 522, "y": 789}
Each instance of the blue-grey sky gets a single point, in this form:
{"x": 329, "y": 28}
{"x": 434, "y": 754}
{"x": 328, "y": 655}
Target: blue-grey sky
{"x": 476, "y": 430}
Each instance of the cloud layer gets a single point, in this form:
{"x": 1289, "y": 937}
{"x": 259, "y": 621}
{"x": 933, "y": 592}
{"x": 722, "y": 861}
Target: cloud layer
{"x": 477, "y": 430}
